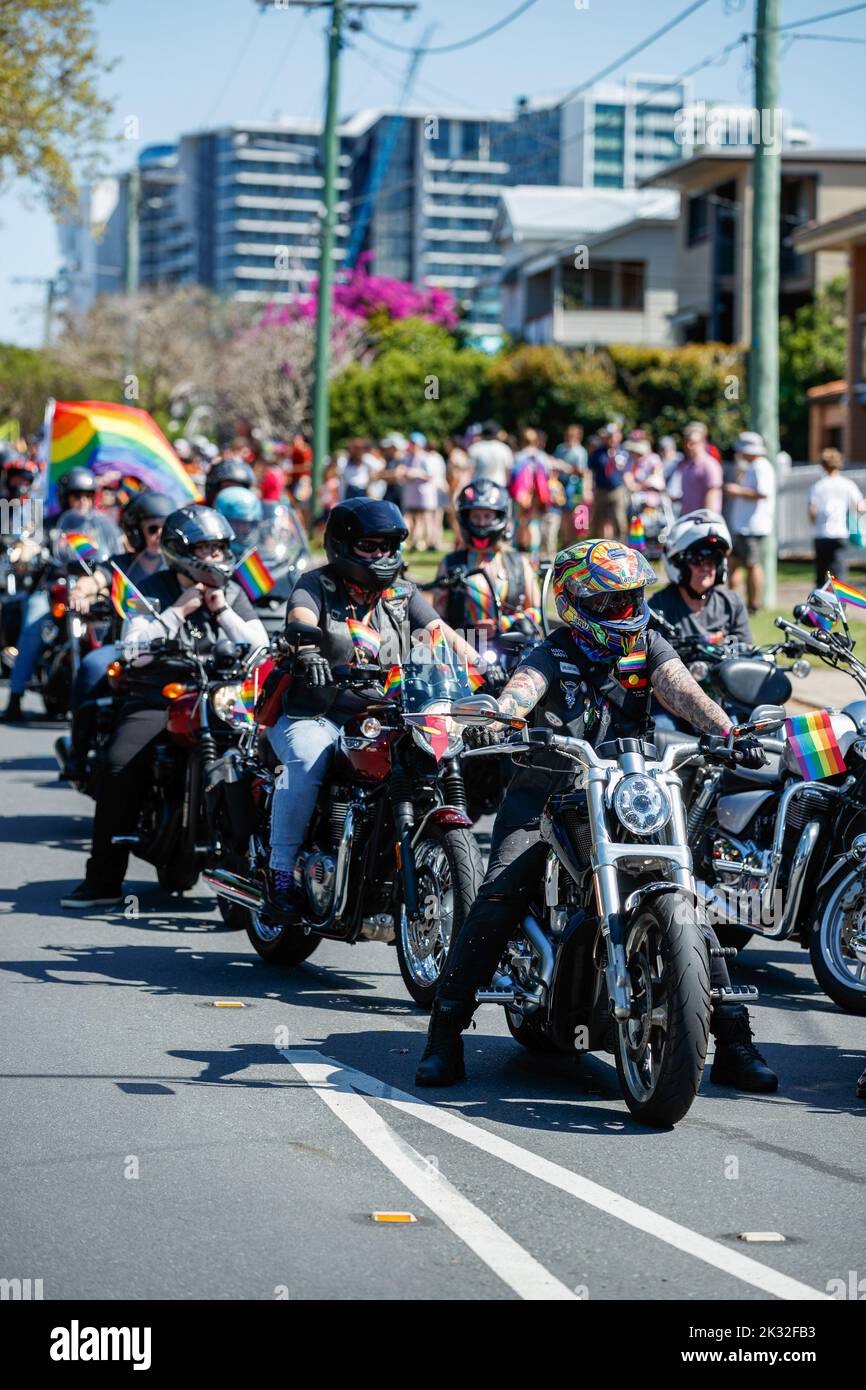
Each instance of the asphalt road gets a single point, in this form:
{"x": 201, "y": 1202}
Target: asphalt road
{"x": 156, "y": 1146}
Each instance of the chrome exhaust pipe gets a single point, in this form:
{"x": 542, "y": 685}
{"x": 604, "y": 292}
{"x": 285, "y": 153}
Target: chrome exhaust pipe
{"x": 234, "y": 888}
{"x": 796, "y": 883}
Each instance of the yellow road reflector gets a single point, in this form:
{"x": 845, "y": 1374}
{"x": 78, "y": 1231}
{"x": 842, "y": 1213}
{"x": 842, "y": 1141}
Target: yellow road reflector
{"x": 393, "y": 1216}
{"x": 757, "y": 1237}
{"x": 228, "y": 1004}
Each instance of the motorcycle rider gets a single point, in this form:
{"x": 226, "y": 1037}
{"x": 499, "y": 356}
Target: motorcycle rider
{"x": 360, "y": 583}
{"x": 571, "y": 682}
{"x": 200, "y": 604}
{"x": 485, "y": 524}
{"x": 19, "y": 475}
{"x": 76, "y": 491}
{"x": 230, "y": 472}
{"x": 697, "y": 602}
{"x": 243, "y": 511}
{"x": 142, "y": 522}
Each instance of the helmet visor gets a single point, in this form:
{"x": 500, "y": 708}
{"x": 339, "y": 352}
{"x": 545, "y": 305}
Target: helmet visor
{"x": 616, "y": 607}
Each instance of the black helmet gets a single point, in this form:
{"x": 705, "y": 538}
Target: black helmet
{"x": 351, "y": 521}
{"x": 76, "y": 480}
{"x": 144, "y": 506}
{"x": 227, "y": 473}
{"x": 183, "y": 530}
{"x": 483, "y": 492}
{"x": 19, "y": 475}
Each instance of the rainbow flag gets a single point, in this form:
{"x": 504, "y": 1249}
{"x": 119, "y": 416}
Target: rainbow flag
{"x": 848, "y": 594}
{"x": 509, "y": 619}
{"x": 245, "y": 703}
{"x": 109, "y": 438}
{"x": 439, "y": 646}
{"x": 394, "y": 681}
{"x": 253, "y": 576}
{"x": 365, "y": 639}
{"x": 474, "y": 677}
{"x": 814, "y": 745}
{"x": 126, "y": 598}
{"x": 82, "y": 545}
{"x": 637, "y": 534}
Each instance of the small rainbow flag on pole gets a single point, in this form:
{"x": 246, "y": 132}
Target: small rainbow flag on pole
{"x": 439, "y": 646}
{"x": 254, "y": 576}
{"x": 848, "y": 594}
{"x": 126, "y": 598}
{"x": 394, "y": 681}
{"x": 247, "y": 696}
{"x": 814, "y": 745}
{"x": 637, "y": 534}
{"x": 474, "y": 677}
{"x": 365, "y": 639}
{"x": 83, "y": 547}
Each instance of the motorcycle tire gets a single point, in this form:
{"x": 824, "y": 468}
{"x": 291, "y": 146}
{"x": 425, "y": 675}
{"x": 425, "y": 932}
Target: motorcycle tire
{"x": 825, "y": 952}
{"x": 234, "y": 916}
{"x": 527, "y": 1031}
{"x": 279, "y": 945}
{"x": 664, "y": 1096}
{"x": 447, "y": 857}
{"x": 177, "y": 877}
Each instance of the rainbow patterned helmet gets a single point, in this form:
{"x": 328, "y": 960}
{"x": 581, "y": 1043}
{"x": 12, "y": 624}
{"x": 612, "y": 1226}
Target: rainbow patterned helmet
{"x": 598, "y": 587}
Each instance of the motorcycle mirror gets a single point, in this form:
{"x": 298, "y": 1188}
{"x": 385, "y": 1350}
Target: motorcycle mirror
{"x": 800, "y": 669}
{"x": 827, "y": 604}
{"x": 475, "y": 709}
{"x": 224, "y": 652}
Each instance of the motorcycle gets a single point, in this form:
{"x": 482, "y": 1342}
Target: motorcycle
{"x": 282, "y": 545}
{"x": 180, "y": 824}
{"x": 389, "y": 854}
{"x": 514, "y": 635}
{"x": 780, "y": 854}
{"x": 611, "y": 955}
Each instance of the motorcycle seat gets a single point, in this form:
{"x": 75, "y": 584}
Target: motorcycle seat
{"x": 669, "y": 738}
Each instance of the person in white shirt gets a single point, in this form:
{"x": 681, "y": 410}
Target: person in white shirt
{"x": 359, "y": 469}
{"x": 491, "y": 456}
{"x": 750, "y": 517}
{"x": 834, "y": 504}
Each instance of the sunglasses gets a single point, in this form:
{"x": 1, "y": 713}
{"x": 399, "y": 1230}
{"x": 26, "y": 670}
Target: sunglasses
{"x": 152, "y": 528}
{"x": 616, "y": 606}
{"x": 699, "y": 557}
{"x": 371, "y": 547}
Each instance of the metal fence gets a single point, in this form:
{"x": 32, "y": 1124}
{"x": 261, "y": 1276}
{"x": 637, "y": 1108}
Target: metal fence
{"x": 794, "y": 528}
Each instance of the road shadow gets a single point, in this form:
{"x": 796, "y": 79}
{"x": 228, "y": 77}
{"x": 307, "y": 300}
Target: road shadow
{"x": 50, "y": 831}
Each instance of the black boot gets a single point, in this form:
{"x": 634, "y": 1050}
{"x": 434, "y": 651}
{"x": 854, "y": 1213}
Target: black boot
{"x": 442, "y": 1060}
{"x": 861, "y": 1087}
{"x": 13, "y": 713}
{"x": 738, "y": 1062}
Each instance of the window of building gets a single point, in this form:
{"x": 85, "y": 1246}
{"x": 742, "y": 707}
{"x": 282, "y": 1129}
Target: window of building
{"x": 697, "y": 219}
{"x": 604, "y": 285}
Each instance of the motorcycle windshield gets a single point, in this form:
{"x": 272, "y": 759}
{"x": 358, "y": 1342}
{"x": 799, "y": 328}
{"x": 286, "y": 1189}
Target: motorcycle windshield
{"x": 96, "y": 527}
{"x": 281, "y": 541}
{"x": 433, "y": 677}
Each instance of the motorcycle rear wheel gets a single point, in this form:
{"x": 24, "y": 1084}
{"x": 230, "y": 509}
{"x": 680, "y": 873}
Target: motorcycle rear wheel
{"x": 279, "y": 945}
{"x": 527, "y": 1031}
{"x": 837, "y": 970}
{"x": 660, "y": 1051}
{"x": 450, "y": 871}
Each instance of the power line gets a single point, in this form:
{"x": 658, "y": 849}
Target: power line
{"x": 461, "y": 43}
{"x": 819, "y": 18}
{"x": 237, "y": 59}
{"x": 826, "y": 38}
{"x": 632, "y": 52}
{"x": 280, "y": 65}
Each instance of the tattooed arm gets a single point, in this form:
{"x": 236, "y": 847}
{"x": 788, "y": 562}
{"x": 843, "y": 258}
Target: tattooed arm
{"x": 522, "y": 693}
{"x": 680, "y": 693}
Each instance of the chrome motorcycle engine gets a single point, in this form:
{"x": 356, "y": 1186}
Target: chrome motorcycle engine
{"x": 318, "y": 872}
{"x": 739, "y": 864}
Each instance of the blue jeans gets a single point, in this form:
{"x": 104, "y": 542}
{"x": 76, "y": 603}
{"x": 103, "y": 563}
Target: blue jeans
{"x": 30, "y": 642}
{"x": 305, "y": 748}
{"x": 91, "y": 671}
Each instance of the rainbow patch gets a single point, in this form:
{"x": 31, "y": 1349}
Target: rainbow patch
{"x": 631, "y": 669}
{"x": 814, "y": 745}
{"x": 254, "y": 576}
{"x": 848, "y": 594}
{"x": 109, "y": 438}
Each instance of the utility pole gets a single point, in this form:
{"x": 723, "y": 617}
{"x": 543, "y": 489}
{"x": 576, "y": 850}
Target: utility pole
{"x": 133, "y": 257}
{"x": 330, "y": 150}
{"x": 766, "y": 191}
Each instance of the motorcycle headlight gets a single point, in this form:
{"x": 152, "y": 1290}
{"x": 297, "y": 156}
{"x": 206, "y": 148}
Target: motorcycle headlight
{"x": 437, "y": 726}
{"x": 228, "y": 705}
{"x": 641, "y": 805}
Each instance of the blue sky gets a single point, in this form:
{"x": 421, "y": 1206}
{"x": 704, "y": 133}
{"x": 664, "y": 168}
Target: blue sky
{"x": 185, "y": 66}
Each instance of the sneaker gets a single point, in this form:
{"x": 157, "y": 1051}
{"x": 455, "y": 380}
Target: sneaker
{"x": 13, "y": 713}
{"x": 283, "y": 891}
{"x": 86, "y": 895}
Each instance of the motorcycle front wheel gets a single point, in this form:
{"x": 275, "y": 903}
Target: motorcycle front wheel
{"x": 837, "y": 969}
{"x": 449, "y": 870}
{"x": 661, "y": 1049}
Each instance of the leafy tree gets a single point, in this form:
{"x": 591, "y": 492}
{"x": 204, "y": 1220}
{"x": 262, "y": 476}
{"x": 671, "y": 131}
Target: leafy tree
{"x": 550, "y": 387}
{"x": 811, "y": 352}
{"x": 51, "y": 116}
{"x": 667, "y": 387}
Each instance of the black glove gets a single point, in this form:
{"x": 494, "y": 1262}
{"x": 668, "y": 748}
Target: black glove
{"x": 749, "y": 752}
{"x": 313, "y": 668}
{"x": 482, "y": 736}
{"x": 495, "y": 677}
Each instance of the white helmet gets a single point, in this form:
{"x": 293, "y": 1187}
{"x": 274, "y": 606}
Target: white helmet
{"x": 696, "y": 529}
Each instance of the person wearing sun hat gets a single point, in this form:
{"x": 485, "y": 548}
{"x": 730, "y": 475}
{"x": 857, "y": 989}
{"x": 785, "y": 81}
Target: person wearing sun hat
{"x": 752, "y": 498}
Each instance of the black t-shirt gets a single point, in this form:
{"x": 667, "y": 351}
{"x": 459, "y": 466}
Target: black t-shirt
{"x": 307, "y": 593}
{"x": 724, "y": 612}
{"x": 593, "y": 700}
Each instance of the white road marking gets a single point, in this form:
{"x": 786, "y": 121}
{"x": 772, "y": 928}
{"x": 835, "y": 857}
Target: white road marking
{"x": 690, "y": 1242}
{"x": 508, "y": 1260}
